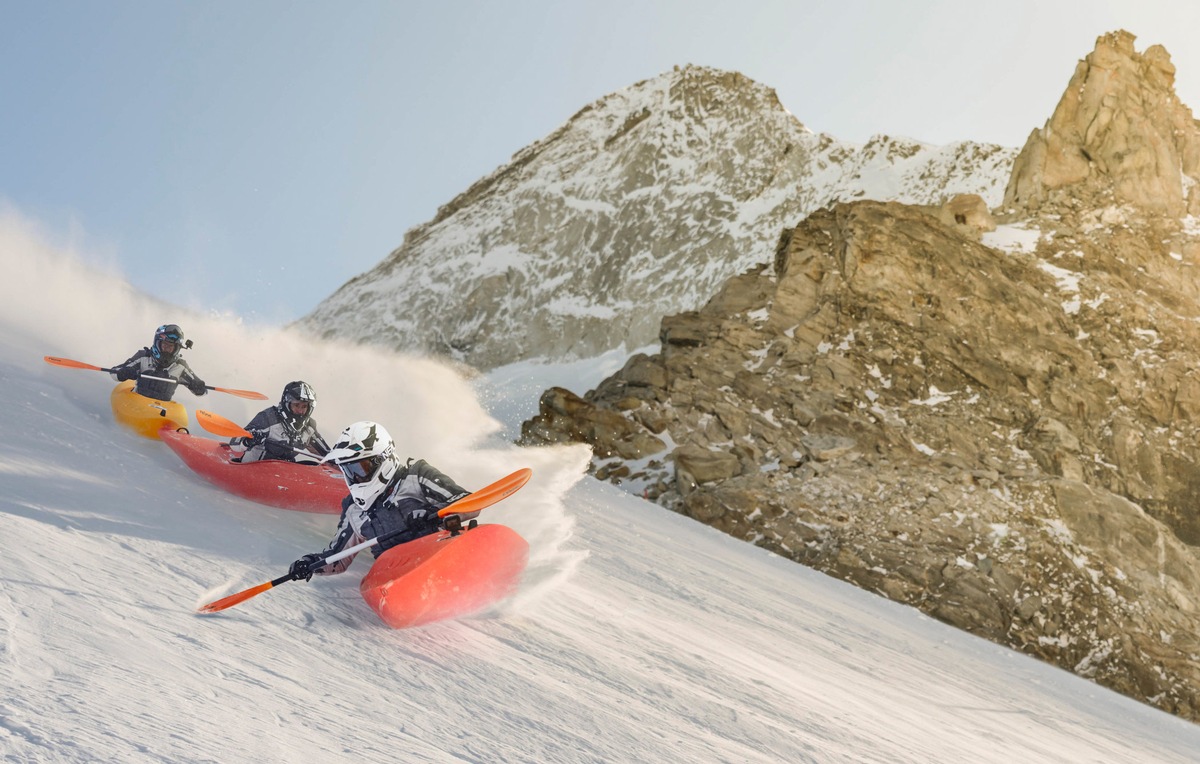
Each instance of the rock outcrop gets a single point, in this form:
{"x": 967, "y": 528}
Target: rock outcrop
{"x": 1004, "y": 437}
{"x": 1119, "y": 136}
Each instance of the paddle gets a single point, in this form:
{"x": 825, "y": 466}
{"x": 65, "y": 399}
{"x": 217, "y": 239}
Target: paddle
{"x": 474, "y": 502}
{"x": 219, "y": 425}
{"x": 70, "y": 364}
{"x": 242, "y": 596}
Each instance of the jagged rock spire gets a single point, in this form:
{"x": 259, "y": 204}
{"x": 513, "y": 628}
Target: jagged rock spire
{"x": 1119, "y": 135}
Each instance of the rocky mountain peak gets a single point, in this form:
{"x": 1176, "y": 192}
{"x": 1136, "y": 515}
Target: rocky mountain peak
{"x": 679, "y": 107}
{"x": 1119, "y": 135}
{"x": 701, "y": 92}
{"x": 640, "y": 205}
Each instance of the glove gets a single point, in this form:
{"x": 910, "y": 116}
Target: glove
{"x": 256, "y": 437}
{"x": 424, "y": 518}
{"x": 126, "y": 373}
{"x": 452, "y": 523}
{"x": 198, "y": 387}
{"x": 302, "y": 569}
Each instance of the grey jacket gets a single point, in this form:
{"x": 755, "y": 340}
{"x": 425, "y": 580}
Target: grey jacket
{"x": 408, "y": 509}
{"x": 281, "y": 439}
{"x": 155, "y": 380}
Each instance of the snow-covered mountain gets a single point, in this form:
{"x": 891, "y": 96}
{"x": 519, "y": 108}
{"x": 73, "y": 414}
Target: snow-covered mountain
{"x": 639, "y": 635}
{"x": 639, "y": 206}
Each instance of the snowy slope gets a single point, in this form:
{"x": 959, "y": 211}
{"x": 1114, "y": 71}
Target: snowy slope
{"x": 639, "y": 635}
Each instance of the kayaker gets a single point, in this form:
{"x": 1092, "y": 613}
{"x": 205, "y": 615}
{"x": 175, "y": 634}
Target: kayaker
{"x": 386, "y": 497}
{"x": 285, "y": 431}
{"x": 160, "y": 369}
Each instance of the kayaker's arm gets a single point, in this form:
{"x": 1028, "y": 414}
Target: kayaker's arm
{"x": 189, "y": 378}
{"x": 130, "y": 368}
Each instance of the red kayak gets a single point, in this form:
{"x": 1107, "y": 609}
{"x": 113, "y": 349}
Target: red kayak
{"x": 286, "y": 485}
{"x": 442, "y": 576}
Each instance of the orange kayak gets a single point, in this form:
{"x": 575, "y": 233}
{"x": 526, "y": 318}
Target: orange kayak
{"x": 443, "y": 576}
{"x": 286, "y": 485}
{"x": 143, "y": 415}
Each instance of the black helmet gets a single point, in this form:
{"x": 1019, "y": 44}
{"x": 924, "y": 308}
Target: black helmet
{"x": 167, "y": 333}
{"x": 293, "y": 392}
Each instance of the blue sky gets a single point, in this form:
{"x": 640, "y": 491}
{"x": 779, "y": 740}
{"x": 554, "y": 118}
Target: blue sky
{"x": 252, "y": 156}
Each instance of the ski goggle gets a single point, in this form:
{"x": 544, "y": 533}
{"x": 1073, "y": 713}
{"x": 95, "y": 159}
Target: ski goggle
{"x": 362, "y": 470}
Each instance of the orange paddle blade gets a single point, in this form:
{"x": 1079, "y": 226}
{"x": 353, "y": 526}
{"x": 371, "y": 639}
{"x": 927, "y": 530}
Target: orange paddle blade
{"x": 489, "y": 495}
{"x": 233, "y": 599}
{"x": 240, "y": 393}
{"x": 219, "y": 425}
{"x": 67, "y": 362}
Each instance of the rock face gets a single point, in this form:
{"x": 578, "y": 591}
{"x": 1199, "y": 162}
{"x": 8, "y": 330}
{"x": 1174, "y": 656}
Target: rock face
{"x": 1004, "y": 437}
{"x": 995, "y": 419}
{"x": 1119, "y": 136}
{"x": 641, "y": 205}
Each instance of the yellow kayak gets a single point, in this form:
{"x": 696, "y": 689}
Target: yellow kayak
{"x": 143, "y": 415}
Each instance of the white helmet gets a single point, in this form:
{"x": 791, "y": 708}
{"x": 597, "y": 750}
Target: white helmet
{"x": 367, "y": 456}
